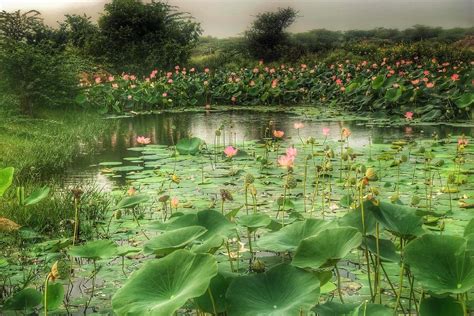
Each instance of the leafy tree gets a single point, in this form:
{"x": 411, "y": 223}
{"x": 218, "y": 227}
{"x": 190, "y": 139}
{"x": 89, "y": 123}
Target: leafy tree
{"x": 135, "y": 36}
{"x": 266, "y": 38}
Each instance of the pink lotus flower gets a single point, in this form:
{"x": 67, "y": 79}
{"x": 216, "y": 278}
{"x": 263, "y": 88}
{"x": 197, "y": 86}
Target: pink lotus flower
{"x": 426, "y": 72}
{"x": 345, "y": 132}
{"x": 462, "y": 141}
{"x": 298, "y": 125}
{"x": 132, "y": 77}
{"x": 326, "y": 131}
{"x": 278, "y": 134}
{"x": 291, "y": 152}
{"x": 206, "y": 70}
{"x": 164, "y": 94}
{"x": 454, "y": 77}
{"x": 131, "y": 191}
{"x": 174, "y": 202}
{"x": 286, "y": 161}
{"x": 409, "y": 115}
{"x": 230, "y": 151}
{"x": 143, "y": 140}
{"x": 338, "y": 82}
{"x": 111, "y": 78}
{"x": 98, "y": 80}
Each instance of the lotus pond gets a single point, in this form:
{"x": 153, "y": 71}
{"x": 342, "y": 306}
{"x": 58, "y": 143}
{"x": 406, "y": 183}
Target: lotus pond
{"x": 257, "y": 214}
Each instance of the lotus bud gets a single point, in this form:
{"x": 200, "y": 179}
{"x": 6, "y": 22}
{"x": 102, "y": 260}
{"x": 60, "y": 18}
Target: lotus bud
{"x": 59, "y": 270}
{"x": 371, "y": 174}
{"x": 77, "y": 193}
{"x": 175, "y": 179}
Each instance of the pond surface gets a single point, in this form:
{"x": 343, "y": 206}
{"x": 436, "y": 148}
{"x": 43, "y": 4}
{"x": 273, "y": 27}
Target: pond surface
{"x": 238, "y": 126}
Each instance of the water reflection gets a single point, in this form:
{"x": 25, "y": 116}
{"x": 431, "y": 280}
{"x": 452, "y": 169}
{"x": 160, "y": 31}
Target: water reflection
{"x": 168, "y": 128}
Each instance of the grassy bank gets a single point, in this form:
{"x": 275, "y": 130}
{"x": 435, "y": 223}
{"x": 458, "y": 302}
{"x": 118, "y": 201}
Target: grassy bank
{"x": 46, "y": 144}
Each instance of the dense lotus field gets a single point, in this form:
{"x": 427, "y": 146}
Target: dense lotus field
{"x": 276, "y": 226}
{"x": 432, "y": 89}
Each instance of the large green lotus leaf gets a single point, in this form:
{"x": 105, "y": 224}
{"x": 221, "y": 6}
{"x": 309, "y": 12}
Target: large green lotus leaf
{"x": 327, "y": 247}
{"x": 352, "y": 309}
{"x": 132, "y": 201}
{"x": 354, "y": 218}
{"x": 6, "y": 179}
{"x": 386, "y": 248}
{"x": 37, "y": 196}
{"x": 289, "y": 237}
{"x": 469, "y": 229}
{"x": 218, "y": 287}
{"x": 189, "y": 146}
{"x": 169, "y": 241}
{"x": 441, "y": 263}
{"x": 254, "y": 221}
{"x": 398, "y": 219}
{"x": 55, "y": 295}
{"x": 433, "y": 306}
{"x": 97, "y": 249}
{"x": 23, "y": 300}
{"x": 162, "y": 286}
{"x": 282, "y": 290}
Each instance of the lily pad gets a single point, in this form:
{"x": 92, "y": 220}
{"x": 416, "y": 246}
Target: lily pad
{"x": 282, "y": 290}
{"x": 97, "y": 249}
{"x": 171, "y": 240}
{"x": 189, "y": 146}
{"x": 162, "y": 286}
{"x": 132, "y": 201}
{"x": 327, "y": 247}
{"x": 441, "y": 263}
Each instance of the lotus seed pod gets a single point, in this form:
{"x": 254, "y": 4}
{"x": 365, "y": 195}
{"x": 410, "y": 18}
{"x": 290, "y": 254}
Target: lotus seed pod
{"x": 118, "y": 214}
{"x": 371, "y": 174}
{"x": 451, "y": 178}
{"x": 218, "y": 132}
{"x": 291, "y": 182}
{"x": 311, "y": 140}
{"x": 249, "y": 178}
{"x": 164, "y": 198}
{"x": 404, "y": 158}
{"x": 258, "y": 266}
{"x": 226, "y": 195}
{"x": 415, "y": 200}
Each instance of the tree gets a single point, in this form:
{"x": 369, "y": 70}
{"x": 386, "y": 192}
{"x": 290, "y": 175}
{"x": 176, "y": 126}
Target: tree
{"x": 135, "y": 36}
{"x": 266, "y": 38}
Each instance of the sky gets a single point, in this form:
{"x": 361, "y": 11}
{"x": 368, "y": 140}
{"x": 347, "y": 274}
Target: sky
{"x": 224, "y": 18}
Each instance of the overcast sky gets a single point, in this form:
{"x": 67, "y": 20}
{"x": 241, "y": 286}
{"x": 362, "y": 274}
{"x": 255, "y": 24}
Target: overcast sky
{"x": 224, "y": 18}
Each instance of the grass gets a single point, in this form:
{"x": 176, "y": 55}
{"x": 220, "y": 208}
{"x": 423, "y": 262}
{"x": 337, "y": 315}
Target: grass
{"x": 41, "y": 146}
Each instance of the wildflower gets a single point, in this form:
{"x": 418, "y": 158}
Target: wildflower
{"x": 111, "y": 78}
{"x": 206, "y": 70}
{"x": 415, "y": 82}
{"x": 132, "y": 77}
{"x": 326, "y": 131}
{"x": 233, "y": 99}
{"x": 170, "y": 81}
{"x": 278, "y": 134}
{"x": 274, "y": 83}
{"x": 230, "y": 151}
{"x": 346, "y": 132}
{"x": 98, "y": 80}
{"x": 426, "y": 72}
{"x": 298, "y": 125}
{"x": 129, "y": 97}
{"x": 114, "y": 85}
{"x": 164, "y": 94}
{"x": 454, "y": 77}
{"x": 143, "y": 140}
{"x": 462, "y": 141}
{"x": 339, "y": 82}
{"x": 409, "y": 115}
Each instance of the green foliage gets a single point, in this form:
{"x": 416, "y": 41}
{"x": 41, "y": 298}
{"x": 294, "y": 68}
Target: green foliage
{"x": 136, "y": 36}
{"x": 266, "y": 38}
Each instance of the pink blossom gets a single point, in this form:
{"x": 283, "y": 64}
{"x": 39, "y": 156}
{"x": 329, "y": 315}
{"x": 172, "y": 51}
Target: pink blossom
{"x": 174, "y": 202}
{"x": 98, "y": 80}
{"x": 143, "y": 140}
{"x": 409, "y": 115}
{"x": 129, "y": 97}
{"x": 278, "y": 134}
{"x": 454, "y": 77}
{"x": 291, "y": 152}
{"x": 286, "y": 161}
{"x": 345, "y": 132}
{"x": 164, "y": 94}
{"x": 114, "y": 85}
{"x": 326, "y": 131}
{"x": 230, "y": 151}
{"x": 430, "y": 84}
{"x": 298, "y": 125}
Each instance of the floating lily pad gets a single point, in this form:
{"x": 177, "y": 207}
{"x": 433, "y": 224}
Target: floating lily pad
{"x": 98, "y": 249}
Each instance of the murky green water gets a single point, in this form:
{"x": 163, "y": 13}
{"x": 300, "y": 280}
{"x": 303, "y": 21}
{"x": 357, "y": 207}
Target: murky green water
{"x": 168, "y": 128}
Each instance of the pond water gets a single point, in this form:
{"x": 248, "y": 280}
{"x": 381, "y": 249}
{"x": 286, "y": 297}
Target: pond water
{"x": 168, "y": 128}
